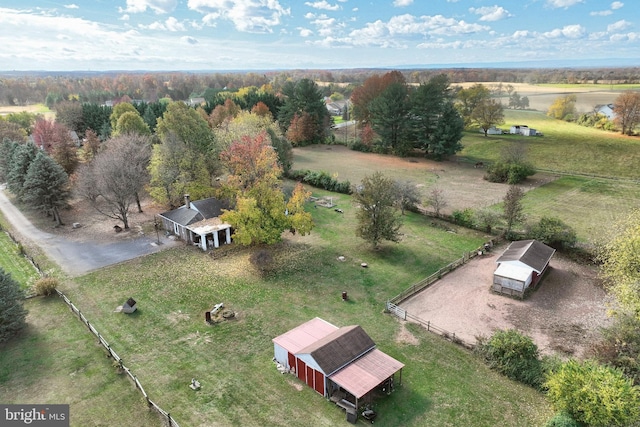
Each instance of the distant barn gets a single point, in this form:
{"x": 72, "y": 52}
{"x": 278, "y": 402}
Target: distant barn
{"x": 521, "y": 266}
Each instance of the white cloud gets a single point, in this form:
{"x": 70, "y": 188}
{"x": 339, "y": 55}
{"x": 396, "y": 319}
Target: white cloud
{"x": 170, "y": 24}
{"x": 491, "y": 13}
{"x": 305, "y": 32}
{"x": 71, "y": 6}
{"x": 323, "y": 5}
{"x": 619, "y": 26}
{"x": 309, "y": 15}
{"x": 402, "y": 3}
{"x": 555, "y": 4}
{"x": 568, "y": 31}
{"x": 189, "y": 40}
{"x": 601, "y": 13}
{"x": 253, "y": 16}
{"x": 158, "y": 6}
{"x": 616, "y": 5}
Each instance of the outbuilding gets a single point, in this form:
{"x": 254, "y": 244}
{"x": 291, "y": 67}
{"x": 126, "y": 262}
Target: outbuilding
{"x": 341, "y": 364}
{"x": 521, "y": 266}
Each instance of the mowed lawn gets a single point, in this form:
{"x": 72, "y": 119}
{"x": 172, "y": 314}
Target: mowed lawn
{"x": 565, "y": 147}
{"x": 166, "y": 342}
{"x": 15, "y": 264}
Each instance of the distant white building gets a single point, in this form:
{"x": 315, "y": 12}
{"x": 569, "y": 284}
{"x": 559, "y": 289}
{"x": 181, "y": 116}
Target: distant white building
{"x": 607, "y": 110}
{"x": 492, "y": 131}
{"x": 522, "y": 130}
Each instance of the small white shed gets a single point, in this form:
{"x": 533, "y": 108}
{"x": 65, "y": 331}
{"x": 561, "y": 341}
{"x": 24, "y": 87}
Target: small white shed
{"x": 521, "y": 266}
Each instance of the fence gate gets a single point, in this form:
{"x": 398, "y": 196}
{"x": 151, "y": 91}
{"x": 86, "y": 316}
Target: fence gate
{"x": 398, "y": 311}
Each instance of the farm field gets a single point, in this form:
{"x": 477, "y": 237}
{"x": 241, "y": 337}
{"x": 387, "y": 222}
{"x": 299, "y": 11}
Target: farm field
{"x": 542, "y": 96}
{"x": 166, "y": 343}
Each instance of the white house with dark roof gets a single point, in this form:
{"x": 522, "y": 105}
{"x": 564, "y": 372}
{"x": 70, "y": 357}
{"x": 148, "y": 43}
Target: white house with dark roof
{"x": 521, "y": 266}
{"x": 342, "y": 364}
{"x": 198, "y": 223}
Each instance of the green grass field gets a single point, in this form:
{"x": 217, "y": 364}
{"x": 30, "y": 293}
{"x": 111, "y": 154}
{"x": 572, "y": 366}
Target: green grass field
{"x": 166, "y": 342}
{"x": 565, "y": 147}
{"x": 12, "y": 262}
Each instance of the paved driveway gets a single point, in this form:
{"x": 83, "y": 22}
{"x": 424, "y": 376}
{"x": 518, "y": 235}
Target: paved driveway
{"x": 78, "y": 258}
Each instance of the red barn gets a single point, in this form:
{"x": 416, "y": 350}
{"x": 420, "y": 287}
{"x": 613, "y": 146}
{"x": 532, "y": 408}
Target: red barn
{"x": 342, "y": 364}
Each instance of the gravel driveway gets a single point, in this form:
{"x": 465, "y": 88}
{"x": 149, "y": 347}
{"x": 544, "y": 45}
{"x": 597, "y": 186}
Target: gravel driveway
{"x": 80, "y": 257}
{"x": 563, "y": 315}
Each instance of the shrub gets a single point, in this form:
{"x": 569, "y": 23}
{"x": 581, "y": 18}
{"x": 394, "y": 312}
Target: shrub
{"x": 45, "y": 286}
{"x": 553, "y": 232}
{"x": 594, "y": 394}
{"x": 514, "y": 355}
{"x": 562, "y": 419}
{"x": 620, "y": 346}
{"x": 512, "y": 172}
{"x": 322, "y": 180}
{"x": 463, "y": 217}
{"x": 12, "y": 313}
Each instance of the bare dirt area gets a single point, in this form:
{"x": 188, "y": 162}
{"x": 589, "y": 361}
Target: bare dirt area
{"x": 562, "y": 316}
{"x": 462, "y": 183}
{"x": 93, "y": 226}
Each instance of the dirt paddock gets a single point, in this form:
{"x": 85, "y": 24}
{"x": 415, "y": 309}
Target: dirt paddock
{"x": 563, "y": 315}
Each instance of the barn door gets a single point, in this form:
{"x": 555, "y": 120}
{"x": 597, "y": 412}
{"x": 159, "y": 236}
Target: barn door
{"x": 292, "y": 361}
{"x": 301, "y": 370}
{"x": 319, "y": 382}
{"x": 310, "y": 376}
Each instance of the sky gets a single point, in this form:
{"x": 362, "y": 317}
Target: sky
{"x": 192, "y": 35}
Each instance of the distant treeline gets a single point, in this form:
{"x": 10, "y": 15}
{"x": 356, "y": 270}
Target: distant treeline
{"x": 23, "y": 88}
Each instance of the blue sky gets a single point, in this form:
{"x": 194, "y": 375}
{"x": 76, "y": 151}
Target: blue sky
{"x": 284, "y": 34}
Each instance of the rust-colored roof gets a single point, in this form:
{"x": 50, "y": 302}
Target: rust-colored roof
{"x": 304, "y": 335}
{"x": 339, "y": 348}
{"x": 366, "y": 373}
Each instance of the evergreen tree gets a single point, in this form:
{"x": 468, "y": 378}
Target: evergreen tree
{"x": 12, "y": 313}
{"x": 447, "y": 134}
{"x": 6, "y": 152}
{"x": 389, "y": 113}
{"x": 301, "y": 97}
{"x": 46, "y": 186}
{"x": 22, "y": 157}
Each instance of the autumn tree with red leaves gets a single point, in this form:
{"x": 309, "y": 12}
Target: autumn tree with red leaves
{"x": 260, "y": 214}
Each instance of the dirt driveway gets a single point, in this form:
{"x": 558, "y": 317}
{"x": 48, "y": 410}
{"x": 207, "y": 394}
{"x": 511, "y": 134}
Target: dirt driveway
{"x": 562, "y": 316}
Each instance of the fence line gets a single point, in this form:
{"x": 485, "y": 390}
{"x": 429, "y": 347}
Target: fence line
{"x": 392, "y": 304}
{"x": 428, "y": 325}
{"x": 167, "y": 416}
{"x": 171, "y": 422}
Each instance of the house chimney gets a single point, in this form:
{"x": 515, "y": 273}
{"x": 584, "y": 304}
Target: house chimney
{"x": 187, "y": 201}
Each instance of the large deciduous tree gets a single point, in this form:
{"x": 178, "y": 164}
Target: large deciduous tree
{"x": 260, "y": 214}
{"x": 70, "y": 114}
{"x": 620, "y": 258}
{"x": 46, "y": 186}
{"x": 627, "y": 111}
{"x": 370, "y": 90}
{"x": 115, "y": 177}
{"x": 55, "y": 138}
{"x": 486, "y": 114}
{"x": 469, "y": 98}
{"x": 131, "y": 122}
{"x": 563, "y": 108}
{"x": 593, "y": 394}
{"x": 12, "y": 313}
{"x": 377, "y": 215}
